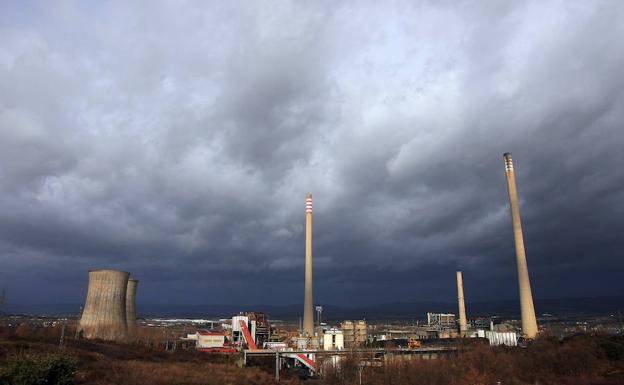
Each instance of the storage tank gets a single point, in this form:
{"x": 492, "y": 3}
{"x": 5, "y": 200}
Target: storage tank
{"x": 104, "y": 314}
{"x": 130, "y": 307}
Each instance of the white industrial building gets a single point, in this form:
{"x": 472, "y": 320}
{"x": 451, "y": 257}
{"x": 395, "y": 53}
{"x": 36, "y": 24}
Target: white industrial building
{"x": 237, "y": 331}
{"x": 499, "y": 338}
{"x": 333, "y": 339}
{"x": 206, "y": 340}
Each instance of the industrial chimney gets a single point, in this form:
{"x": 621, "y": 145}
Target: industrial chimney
{"x": 308, "y": 310}
{"x": 463, "y": 326}
{"x": 529, "y": 323}
{"x": 130, "y": 307}
{"x": 104, "y": 314}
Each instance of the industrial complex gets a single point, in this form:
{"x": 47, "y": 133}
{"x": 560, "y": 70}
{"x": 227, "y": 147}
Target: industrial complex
{"x": 109, "y": 314}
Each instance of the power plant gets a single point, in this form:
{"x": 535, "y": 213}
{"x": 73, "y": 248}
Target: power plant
{"x": 529, "y": 322}
{"x": 104, "y": 314}
{"x": 130, "y": 307}
{"x": 308, "y": 307}
{"x": 110, "y": 314}
{"x": 463, "y": 326}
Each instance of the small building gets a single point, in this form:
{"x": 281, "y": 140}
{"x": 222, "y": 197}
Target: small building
{"x": 333, "y": 339}
{"x": 479, "y": 323}
{"x": 210, "y": 340}
{"x": 499, "y": 338}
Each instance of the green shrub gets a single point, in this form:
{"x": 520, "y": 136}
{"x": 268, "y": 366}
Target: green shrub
{"x": 53, "y": 369}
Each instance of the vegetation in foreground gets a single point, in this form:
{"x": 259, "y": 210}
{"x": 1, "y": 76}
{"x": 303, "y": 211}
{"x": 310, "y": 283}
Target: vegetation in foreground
{"x": 578, "y": 360}
{"x": 35, "y": 359}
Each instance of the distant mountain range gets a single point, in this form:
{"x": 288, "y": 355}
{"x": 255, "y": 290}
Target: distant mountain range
{"x": 397, "y": 310}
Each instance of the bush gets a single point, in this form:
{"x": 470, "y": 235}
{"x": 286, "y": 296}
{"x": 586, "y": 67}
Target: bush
{"x": 614, "y": 349}
{"x": 53, "y": 369}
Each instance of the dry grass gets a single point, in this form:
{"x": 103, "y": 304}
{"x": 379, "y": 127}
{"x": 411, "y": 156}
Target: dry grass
{"x": 141, "y": 372}
{"x": 581, "y": 360}
{"x": 102, "y": 363}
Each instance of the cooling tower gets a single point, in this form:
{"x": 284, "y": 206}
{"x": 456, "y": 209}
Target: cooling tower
{"x": 529, "y": 323}
{"x": 130, "y": 307}
{"x": 104, "y": 314}
{"x": 308, "y": 310}
{"x": 463, "y": 327}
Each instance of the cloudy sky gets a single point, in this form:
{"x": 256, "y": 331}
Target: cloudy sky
{"x": 177, "y": 141}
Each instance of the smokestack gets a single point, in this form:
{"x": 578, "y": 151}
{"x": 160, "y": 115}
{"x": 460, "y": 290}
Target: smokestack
{"x": 529, "y": 323}
{"x": 308, "y": 310}
{"x": 130, "y": 307}
{"x": 104, "y": 314}
{"x": 463, "y": 327}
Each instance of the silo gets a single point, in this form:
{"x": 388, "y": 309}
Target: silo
{"x": 104, "y": 314}
{"x": 130, "y": 307}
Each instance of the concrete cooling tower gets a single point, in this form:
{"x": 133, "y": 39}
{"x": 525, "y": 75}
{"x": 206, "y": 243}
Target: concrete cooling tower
{"x": 130, "y": 307}
{"x": 104, "y": 314}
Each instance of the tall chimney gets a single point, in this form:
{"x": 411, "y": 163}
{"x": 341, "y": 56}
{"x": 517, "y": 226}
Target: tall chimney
{"x": 308, "y": 310}
{"x": 463, "y": 327}
{"x": 529, "y": 323}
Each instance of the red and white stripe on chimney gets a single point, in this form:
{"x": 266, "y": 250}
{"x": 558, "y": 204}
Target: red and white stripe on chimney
{"x": 308, "y": 205}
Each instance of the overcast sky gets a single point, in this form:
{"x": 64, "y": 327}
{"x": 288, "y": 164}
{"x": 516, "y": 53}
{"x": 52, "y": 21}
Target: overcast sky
{"x": 177, "y": 141}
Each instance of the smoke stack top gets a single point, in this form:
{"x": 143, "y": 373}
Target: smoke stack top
{"x": 508, "y": 161}
{"x": 308, "y": 204}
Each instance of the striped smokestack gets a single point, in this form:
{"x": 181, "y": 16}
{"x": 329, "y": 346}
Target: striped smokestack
{"x": 463, "y": 326}
{"x": 529, "y": 323}
{"x": 308, "y": 310}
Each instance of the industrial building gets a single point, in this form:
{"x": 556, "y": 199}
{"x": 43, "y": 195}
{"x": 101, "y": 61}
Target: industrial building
{"x": 480, "y": 323}
{"x": 441, "y": 320}
{"x": 239, "y": 324}
{"x": 499, "y": 338}
{"x": 333, "y": 339}
{"x": 260, "y": 324}
{"x": 355, "y": 333}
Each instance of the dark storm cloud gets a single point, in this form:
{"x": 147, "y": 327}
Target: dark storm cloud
{"x": 178, "y": 142}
